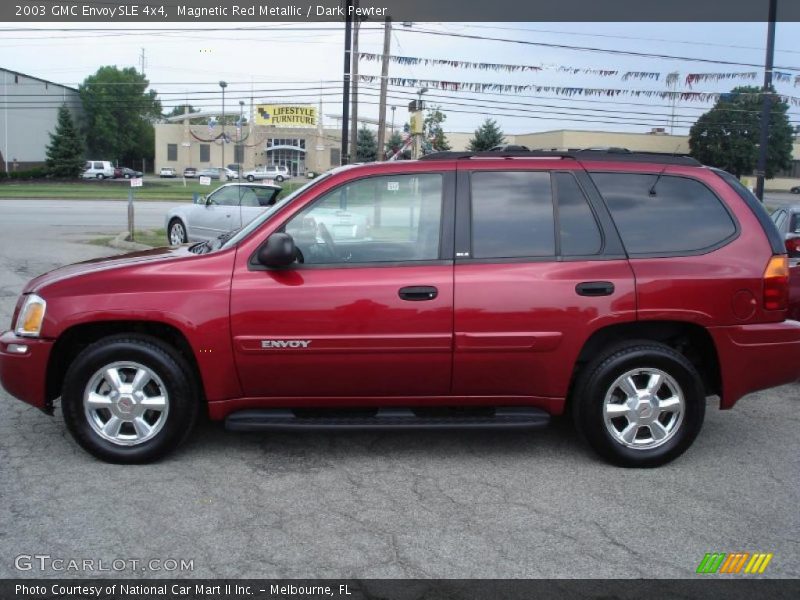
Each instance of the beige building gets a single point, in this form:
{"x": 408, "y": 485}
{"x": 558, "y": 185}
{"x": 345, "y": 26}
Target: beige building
{"x": 317, "y": 149}
{"x": 300, "y": 149}
{"x": 655, "y": 141}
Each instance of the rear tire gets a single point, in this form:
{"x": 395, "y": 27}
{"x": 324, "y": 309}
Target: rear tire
{"x": 250, "y": 178}
{"x": 129, "y": 399}
{"x": 639, "y": 404}
{"x": 279, "y": 179}
{"x": 101, "y": 176}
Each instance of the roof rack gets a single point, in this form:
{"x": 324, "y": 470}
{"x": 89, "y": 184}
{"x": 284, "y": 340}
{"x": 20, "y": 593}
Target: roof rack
{"x": 609, "y": 154}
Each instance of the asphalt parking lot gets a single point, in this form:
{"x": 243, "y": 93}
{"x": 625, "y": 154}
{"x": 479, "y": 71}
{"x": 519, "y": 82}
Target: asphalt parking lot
{"x": 380, "y": 505}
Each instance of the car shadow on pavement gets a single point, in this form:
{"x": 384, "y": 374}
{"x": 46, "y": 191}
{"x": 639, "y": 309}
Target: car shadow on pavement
{"x": 558, "y": 439}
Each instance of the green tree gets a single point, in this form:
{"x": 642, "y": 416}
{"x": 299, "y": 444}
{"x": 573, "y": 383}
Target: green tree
{"x": 65, "y": 153}
{"x": 487, "y": 136}
{"x": 119, "y": 114}
{"x": 366, "y": 146}
{"x": 727, "y": 136}
{"x": 433, "y": 133}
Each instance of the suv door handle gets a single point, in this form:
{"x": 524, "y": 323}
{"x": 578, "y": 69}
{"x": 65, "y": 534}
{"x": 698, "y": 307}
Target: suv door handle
{"x": 595, "y": 288}
{"x": 416, "y": 293}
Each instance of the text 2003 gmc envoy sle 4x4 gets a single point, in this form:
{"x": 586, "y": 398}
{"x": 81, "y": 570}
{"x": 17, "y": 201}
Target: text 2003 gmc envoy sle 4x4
{"x": 491, "y": 289}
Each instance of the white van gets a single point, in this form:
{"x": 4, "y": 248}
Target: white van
{"x": 98, "y": 169}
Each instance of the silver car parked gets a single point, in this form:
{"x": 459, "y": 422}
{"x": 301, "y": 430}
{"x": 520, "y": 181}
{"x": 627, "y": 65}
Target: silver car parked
{"x": 227, "y": 208}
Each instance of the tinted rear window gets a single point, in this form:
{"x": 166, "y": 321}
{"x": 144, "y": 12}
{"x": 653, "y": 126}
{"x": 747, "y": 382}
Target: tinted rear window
{"x": 580, "y": 234}
{"x": 682, "y": 216}
{"x": 512, "y": 215}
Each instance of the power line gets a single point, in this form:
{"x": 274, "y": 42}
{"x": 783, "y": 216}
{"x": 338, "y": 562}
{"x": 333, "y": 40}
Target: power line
{"x": 625, "y": 37}
{"x": 590, "y": 49}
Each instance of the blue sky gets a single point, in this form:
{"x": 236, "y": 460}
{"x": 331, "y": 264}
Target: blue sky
{"x": 285, "y": 65}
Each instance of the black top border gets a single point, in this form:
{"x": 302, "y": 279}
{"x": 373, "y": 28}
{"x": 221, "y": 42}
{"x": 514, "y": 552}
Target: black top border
{"x": 375, "y": 11}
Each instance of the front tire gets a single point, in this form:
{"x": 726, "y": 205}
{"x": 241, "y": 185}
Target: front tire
{"x": 177, "y": 233}
{"x": 250, "y": 178}
{"x": 101, "y": 176}
{"x": 640, "y": 404}
{"x": 279, "y": 179}
{"x": 129, "y": 399}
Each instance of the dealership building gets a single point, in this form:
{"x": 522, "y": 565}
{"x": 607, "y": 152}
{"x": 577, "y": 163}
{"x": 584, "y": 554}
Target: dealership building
{"x": 291, "y": 136}
{"x": 294, "y": 137}
{"x": 28, "y": 114}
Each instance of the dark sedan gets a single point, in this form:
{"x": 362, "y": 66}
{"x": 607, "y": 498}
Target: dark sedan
{"x": 126, "y": 173}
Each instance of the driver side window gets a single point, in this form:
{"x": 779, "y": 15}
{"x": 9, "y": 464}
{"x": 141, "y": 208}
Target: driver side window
{"x": 392, "y": 218}
{"x": 228, "y": 196}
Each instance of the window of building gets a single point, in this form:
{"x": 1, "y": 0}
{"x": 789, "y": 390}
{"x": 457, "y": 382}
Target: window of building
{"x": 172, "y": 152}
{"x": 287, "y": 152}
{"x": 662, "y": 214}
{"x": 238, "y": 153}
{"x": 393, "y": 218}
{"x": 205, "y": 153}
{"x": 512, "y": 214}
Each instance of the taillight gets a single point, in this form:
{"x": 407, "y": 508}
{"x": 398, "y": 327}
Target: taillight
{"x": 776, "y": 283}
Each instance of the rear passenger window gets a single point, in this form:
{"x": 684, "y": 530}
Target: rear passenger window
{"x": 681, "y": 216}
{"x": 512, "y": 214}
{"x": 580, "y": 234}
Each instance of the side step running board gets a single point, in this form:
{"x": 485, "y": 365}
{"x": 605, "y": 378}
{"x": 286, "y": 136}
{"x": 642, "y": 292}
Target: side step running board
{"x": 281, "y": 419}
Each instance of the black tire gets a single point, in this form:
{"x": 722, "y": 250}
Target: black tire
{"x": 101, "y": 176}
{"x": 157, "y": 356}
{"x": 598, "y": 377}
{"x": 251, "y": 178}
{"x": 127, "y": 176}
{"x": 279, "y": 179}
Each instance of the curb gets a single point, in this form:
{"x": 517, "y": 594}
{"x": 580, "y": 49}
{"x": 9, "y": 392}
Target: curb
{"x": 121, "y": 242}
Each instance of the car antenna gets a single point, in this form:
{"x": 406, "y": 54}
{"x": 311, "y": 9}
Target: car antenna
{"x": 655, "y": 183}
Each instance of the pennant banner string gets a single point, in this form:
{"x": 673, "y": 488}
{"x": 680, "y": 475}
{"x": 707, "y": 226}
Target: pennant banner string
{"x": 670, "y": 79}
{"x": 569, "y": 91}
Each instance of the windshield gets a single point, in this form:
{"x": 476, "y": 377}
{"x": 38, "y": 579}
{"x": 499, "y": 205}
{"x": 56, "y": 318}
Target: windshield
{"x": 256, "y": 223}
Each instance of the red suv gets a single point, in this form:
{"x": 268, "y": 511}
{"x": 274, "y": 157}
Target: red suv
{"x": 479, "y": 290}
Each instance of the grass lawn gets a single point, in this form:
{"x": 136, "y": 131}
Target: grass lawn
{"x": 171, "y": 190}
{"x": 151, "y": 237}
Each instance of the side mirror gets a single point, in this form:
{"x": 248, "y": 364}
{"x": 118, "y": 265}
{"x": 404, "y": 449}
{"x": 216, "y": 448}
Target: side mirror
{"x": 278, "y": 251}
{"x": 198, "y": 199}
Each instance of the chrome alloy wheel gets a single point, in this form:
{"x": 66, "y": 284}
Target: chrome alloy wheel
{"x": 126, "y": 403}
{"x": 644, "y": 408}
{"x": 176, "y": 233}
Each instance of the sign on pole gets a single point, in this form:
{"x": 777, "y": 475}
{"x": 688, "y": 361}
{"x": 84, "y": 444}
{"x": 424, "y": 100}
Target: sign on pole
{"x": 136, "y": 182}
{"x": 205, "y": 181}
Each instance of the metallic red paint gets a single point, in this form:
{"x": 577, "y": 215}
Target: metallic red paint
{"x": 507, "y": 333}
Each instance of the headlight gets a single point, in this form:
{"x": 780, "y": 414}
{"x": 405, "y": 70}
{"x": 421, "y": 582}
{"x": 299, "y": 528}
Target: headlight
{"x": 31, "y": 316}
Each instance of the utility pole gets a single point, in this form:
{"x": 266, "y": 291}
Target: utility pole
{"x": 673, "y": 101}
{"x": 387, "y": 39}
{"x": 348, "y": 23}
{"x": 766, "y": 109}
{"x": 223, "y": 85}
{"x": 141, "y": 61}
{"x": 354, "y": 84}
